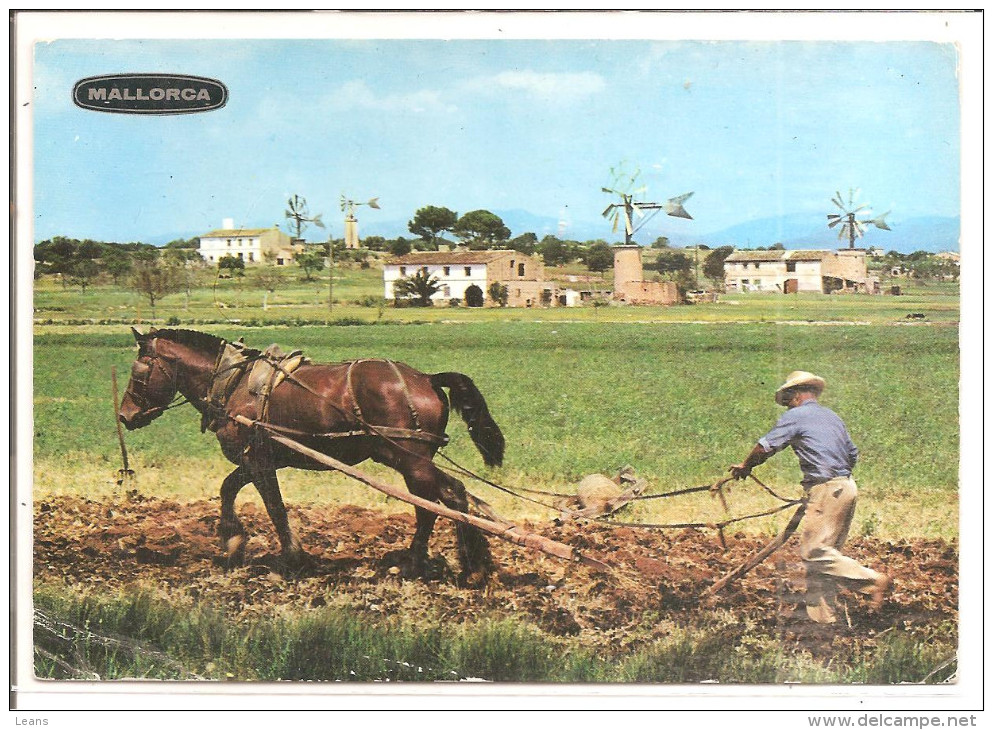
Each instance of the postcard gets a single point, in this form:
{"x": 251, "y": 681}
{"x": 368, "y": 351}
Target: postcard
{"x": 490, "y": 360}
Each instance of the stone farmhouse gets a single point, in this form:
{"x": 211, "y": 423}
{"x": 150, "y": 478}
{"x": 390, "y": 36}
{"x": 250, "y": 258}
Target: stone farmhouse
{"x": 251, "y": 245}
{"x": 788, "y": 272}
{"x": 468, "y": 275}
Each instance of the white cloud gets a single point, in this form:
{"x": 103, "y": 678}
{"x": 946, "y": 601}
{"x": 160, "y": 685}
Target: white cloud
{"x": 555, "y": 86}
{"x": 358, "y": 95}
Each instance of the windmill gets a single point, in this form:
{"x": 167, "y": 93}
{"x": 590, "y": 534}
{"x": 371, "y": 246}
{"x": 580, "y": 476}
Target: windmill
{"x": 298, "y": 213}
{"x": 628, "y": 208}
{"x": 854, "y": 218}
{"x": 351, "y": 222}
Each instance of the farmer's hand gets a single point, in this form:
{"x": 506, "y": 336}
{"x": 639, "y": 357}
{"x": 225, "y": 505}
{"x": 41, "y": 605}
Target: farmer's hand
{"x": 740, "y": 471}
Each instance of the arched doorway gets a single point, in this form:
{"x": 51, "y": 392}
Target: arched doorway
{"x": 473, "y": 296}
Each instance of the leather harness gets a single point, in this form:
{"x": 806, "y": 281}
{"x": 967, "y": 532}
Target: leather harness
{"x": 270, "y": 369}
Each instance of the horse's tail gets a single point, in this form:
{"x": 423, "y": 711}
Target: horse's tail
{"x": 469, "y": 402}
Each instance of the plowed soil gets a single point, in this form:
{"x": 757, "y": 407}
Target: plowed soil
{"x": 657, "y": 576}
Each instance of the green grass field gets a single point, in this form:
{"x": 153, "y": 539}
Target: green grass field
{"x": 677, "y": 392}
{"x": 678, "y": 401}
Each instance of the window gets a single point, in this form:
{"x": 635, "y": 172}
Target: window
{"x": 447, "y": 270}
{"x": 251, "y": 256}
{"x": 279, "y": 261}
{"x": 229, "y": 243}
{"x": 424, "y": 270}
{"x": 403, "y": 271}
{"x": 791, "y": 265}
{"x": 520, "y": 269}
{"x": 468, "y": 271}
{"x": 512, "y": 266}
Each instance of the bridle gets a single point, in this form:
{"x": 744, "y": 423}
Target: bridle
{"x": 141, "y": 374}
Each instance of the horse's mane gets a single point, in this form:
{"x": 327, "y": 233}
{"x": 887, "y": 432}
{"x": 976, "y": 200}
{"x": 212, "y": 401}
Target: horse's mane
{"x": 191, "y": 338}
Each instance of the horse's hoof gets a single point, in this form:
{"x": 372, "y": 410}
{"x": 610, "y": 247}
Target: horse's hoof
{"x": 408, "y": 564}
{"x": 296, "y": 562}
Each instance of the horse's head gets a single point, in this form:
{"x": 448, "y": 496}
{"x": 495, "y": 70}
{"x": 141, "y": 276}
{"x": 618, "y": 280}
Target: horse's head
{"x": 152, "y": 386}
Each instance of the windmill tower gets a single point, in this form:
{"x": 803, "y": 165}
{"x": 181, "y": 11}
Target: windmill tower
{"x": 297, "y": 212}
{"x": 854, "y": 218}
{"x": 627, "y": 209}
{"x": 351, "y": 222}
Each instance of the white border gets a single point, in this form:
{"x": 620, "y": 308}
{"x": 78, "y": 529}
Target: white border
{"x": 964, "y": 29}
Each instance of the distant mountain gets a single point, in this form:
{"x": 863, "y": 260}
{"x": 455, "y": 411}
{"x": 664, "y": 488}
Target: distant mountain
{"x": 926, "y": 233}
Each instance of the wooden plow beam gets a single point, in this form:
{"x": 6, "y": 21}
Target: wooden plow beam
{"x": 761, "y": 554}
{"x": 510, "y": 533}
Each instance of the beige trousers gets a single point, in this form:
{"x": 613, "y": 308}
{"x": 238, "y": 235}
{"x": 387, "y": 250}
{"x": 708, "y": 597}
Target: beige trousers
{"x": 830, "y": 509}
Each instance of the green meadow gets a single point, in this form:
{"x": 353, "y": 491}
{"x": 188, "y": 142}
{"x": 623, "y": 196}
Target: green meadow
{"x": 678, "y": 401}
{"x": 679, "y": 393}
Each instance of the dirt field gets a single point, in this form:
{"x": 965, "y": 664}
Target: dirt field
{"x": 658, "y": 576}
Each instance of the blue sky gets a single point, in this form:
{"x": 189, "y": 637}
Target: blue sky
{"x": 755, "y": 129}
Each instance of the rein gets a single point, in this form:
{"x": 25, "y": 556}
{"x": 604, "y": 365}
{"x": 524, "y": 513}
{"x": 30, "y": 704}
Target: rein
{"x": 391, "y": 434}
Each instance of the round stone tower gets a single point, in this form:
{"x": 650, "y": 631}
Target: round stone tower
{"x": 627, "y": 269}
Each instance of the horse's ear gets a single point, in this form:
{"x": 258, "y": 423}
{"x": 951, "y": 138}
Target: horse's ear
{"x": 137, "y": 334}
{"x": 153, "y": 330}
{"x": 241, "y": 340}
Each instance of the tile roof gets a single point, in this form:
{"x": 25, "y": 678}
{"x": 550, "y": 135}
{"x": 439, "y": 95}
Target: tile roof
{"x": 776, "y": 255}
{"x": 455, "y": 258}
{"x": 228, "y": 232}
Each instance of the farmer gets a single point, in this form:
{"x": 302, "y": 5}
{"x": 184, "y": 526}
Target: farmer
{"x": 827, "y": 456}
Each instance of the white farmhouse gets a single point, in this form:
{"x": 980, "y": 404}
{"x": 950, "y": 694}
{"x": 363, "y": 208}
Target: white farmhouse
{"x": 788, "y": 272}
{"x": 468, "y": 275}
{"x": 251, "y": 245}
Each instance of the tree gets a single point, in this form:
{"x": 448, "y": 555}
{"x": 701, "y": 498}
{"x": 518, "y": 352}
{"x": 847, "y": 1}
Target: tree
{"x": 233, "y": 264}
{"x": 374, "y": 243}
{"x": 117, "y": 263}
{"x": 184, "y": 243}
{"x": 268, "y": 279}
{"x": 82, "y": 272}
{"x": 555, "y": 252}
{"x": 156, "y": 278}
{"x": 713, "y": 265}
{"x": 599, "y": 256}
{"x": 311, "y": 262}
{"x": 480, "y": 229}
{"x": 661, "y": 242}
{"x": 400, "y": 247}
{"x": 525, "y": 243}
{"x": 499, "y": 294}
{"x": 671, "y": 261}
{"x": 430, "y": 221}
{"x": 420, "y": 287}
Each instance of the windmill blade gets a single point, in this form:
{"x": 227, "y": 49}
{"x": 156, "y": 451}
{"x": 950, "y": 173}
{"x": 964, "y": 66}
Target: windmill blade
{"x": 674, "y": 206}
{"x": 837, "y": 219}
{"x": 837, "y": 200}
{"x": 627, "y": 223}
{"x": 880, "y": 222}
{"x": 606, "y": 211}
{"x": 639, "y": 191}
{"x": 373, "y": 203}
{"x": 615, "y": 219}
{"x": 637, "y": 210}
{"x": 316, "y": 220}
{"x": 608, "y": 190}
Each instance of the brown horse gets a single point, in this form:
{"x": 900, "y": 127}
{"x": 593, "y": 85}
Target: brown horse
{"x": 366, "y": 409}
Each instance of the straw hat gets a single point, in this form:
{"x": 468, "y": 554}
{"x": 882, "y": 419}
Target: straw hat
{"x": 799, "y": 379}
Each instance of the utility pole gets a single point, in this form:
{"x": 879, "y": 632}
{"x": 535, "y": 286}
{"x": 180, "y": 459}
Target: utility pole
{"x": 330, "y": 274}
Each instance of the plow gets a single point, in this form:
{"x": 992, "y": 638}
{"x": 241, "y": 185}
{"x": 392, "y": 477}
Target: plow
{"x": 264, "y": 406}
{"x": 508, "y": 531}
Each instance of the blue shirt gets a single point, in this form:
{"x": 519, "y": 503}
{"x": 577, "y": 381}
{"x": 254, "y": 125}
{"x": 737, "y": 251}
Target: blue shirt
{"x": 819, "y": 439}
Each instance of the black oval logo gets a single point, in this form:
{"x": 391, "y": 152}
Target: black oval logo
{"x": 149, "y": 94}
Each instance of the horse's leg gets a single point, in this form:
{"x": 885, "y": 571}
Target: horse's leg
{"x": 474, "y": 550}
{"x": 230, "y": 530}
{"x": 412, "y": 561}
{"x": 268, "y": 486}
